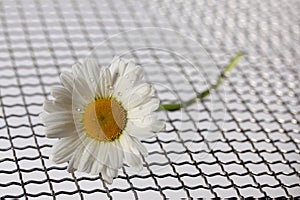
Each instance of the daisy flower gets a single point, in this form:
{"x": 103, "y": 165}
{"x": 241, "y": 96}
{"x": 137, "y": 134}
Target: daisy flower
{"x": 100, "y": 117}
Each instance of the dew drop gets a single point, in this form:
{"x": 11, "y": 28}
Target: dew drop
{"x": 110, "y": 87}
{"x": 78, "y": 109}
{"x": 92, "y": 80}
{"x": 119, "y": 93}
{"x": 132, "y": 81}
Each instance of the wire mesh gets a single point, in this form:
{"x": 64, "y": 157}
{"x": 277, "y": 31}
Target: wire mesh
{"x": 243, "y": 141}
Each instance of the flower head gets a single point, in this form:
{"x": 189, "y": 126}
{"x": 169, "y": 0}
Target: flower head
{"x": 100, "y": 116}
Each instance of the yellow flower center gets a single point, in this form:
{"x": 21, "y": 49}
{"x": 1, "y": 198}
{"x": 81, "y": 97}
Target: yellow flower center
{"x": 104, "y": 119}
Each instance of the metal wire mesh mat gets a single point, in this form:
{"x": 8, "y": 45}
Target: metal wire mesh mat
{"x": 242, "y": 141}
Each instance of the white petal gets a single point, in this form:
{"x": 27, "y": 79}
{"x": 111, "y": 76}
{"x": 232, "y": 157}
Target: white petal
{"x": 79, "y": 124}
{"x": 123, "y": 87}
{"x": 120, "y": 156}
{"x": 117, "y": 69}
{"x": 76, "y": 69}
{"x": 134, "y": 160}
{"x": 56, "y": 106}
{"x": 82, "y": 94}
{"x": 137, "y": 96}
{"x": 121, "y": 67}
{"x": 138, "y": 131}
{"x": 92, "y": 72}
{"x": 86, "y": 76}
{"x": 60, "y": 130}
{"x": 141, "y": 121}
{"x": 88, "y": 157}
{"x": 63, "y": 150}
{"x": 92, "y": 68}
{"x": 139, "y": 72}
{"x": 83, "y": 87}
{"x": 61, "y": 94}
{"x": 144, "y": 109}
{"x": 76, "y": 157}
{"x": 131, "y": 153}
{"x": 115, "y": 155}
{"x": 158, "y": 126}
{"x": 49, "y": 106}
{"x": 43, "y": 115}
{"x": 131, "y": 67}
{"x": 103, "y": 152}
{"x": 79, "y": 101}
{"x": 57, "y": 118}
{"x": 105, "y": 87}
{"x": 95, "y": 168}
{"x": 58, "y": 124}
{"x": 83, "y": 71}
{"x": 112, "y": 172}
{"x": 67, "y": 80}
{"x": 149, "y": 121}
{"x": 141, "y": 148}
{"x": 114, "y": 68}
{"x": 106, "y": 175}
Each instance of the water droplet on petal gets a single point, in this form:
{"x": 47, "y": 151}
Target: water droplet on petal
{"x": 110, "y": 87}
{"x": 92, "y": 80}
{"x": 78, "y": 109}
{"x": 119, "y": 93}
{"x": 131, "y": 81}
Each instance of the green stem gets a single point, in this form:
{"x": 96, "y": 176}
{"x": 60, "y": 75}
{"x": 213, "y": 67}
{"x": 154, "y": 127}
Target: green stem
{"x": 202, "y": 95}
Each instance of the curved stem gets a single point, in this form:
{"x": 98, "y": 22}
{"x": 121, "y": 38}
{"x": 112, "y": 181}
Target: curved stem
{"x": 202, "y": 95}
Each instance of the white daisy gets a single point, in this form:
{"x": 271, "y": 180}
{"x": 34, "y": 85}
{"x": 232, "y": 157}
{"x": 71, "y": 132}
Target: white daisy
{"x": 100, "y": 116}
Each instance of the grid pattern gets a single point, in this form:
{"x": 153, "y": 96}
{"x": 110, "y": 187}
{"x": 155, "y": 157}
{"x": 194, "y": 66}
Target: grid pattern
{"x": 242, "y": 141}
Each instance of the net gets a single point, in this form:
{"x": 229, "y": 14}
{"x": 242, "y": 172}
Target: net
{"x": 242, "y": 141}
